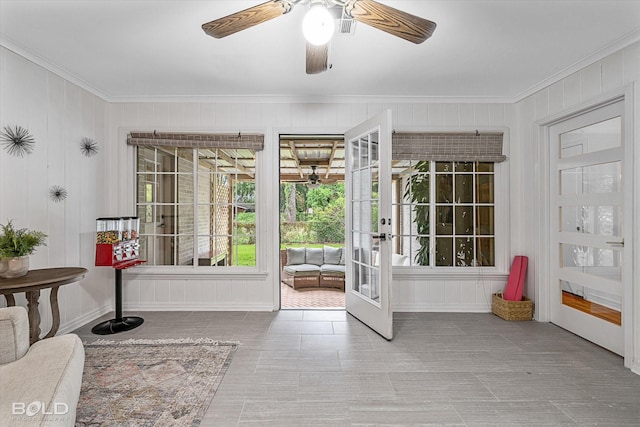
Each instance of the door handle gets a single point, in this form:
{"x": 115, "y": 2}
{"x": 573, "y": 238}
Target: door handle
{"x": 620, "y": 243}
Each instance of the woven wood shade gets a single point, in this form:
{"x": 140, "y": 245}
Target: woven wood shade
{"x": 458, "y": 147}
{"x": 197, "y": 140}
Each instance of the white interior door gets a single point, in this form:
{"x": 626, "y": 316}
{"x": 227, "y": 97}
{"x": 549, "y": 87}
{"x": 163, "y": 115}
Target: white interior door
{"x": 589, "y": 265}
{"x": 368, "y": 219}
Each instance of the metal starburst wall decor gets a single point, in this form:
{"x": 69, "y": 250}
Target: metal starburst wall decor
{"x": 17, "y": 140}
{"x": 57, "y": 193}
{"x": 89, "y": 147}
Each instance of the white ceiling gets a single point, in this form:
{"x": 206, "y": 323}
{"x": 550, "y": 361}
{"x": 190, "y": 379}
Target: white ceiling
{"x": 155, "y": 49}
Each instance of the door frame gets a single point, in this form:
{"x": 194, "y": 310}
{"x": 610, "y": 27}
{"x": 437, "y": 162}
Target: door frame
{"x": 541, "y": 173}
{"x": 271, "y": 238}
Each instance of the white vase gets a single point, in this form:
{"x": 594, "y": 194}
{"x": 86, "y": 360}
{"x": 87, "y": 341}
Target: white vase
{"x": 14, "y": 267}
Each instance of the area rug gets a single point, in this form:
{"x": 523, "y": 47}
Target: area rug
{"x": 151, "y": 382}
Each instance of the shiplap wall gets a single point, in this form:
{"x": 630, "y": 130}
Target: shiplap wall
{"x": 604, "y": 79}
{"x": 177, "y": 290}
{"x": 58, "y": 114}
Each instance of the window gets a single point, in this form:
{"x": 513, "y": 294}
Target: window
{"x": 196, "y": 205}
{"x": 444, "y": 213}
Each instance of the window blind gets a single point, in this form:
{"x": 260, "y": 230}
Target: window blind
{"x": 197, "y": 140}
{"x": 455, "y": 147}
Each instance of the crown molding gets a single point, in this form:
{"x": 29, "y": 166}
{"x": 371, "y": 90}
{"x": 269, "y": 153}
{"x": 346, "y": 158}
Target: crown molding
{"x": 51, "y": 67}
{"x": 609, "y": 49}
{"x": 315, "y": 99}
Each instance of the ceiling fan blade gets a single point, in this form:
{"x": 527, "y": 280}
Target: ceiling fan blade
{"x": 246, "y": 18}
{"x": 317, "y": 58}
{"x": 391, "y": 20}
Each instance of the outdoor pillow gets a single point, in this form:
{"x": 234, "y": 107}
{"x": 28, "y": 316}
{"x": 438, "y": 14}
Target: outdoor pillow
{"x": 342, "y": 256}
{"x": 397, "y": 259}
{"x": 315, "y": 256}
{"x": 295, "y": 256}
{"x": 332, "y": 255}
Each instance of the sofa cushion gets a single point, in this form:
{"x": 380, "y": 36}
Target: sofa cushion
{"x": 315, "y": 256}
{"x": 14, "y": 334}
{"x": 332, "y": 255}
{"x": 332, "y": 270}
{"x": 50, "y": 372}
{"x": 397, "y": 259}
{"x": 302, "y": 270}
{"x": 295, "y": 256}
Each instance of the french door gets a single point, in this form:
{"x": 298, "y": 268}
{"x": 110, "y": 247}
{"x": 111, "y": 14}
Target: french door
{"x": 589, "y": 262}
{"x": 368, "y": 219}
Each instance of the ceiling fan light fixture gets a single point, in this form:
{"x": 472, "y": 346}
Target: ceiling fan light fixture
{"x": 318, "y": 25}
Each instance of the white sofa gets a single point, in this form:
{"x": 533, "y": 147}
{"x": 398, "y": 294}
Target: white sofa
{"x": 39, "y": 384}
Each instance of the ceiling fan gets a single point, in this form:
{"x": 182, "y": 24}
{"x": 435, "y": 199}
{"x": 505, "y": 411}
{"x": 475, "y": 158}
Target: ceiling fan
{"x": 318, "y": 25}
{"x": 314, "y": 179}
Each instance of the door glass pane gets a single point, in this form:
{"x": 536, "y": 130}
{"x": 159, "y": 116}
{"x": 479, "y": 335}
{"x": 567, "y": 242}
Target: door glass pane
{"x": 592, "y": 138}
{"x": 364, "y": 185}
{"x": 606, "y": 263}
{"x": 600, "y": 178}
{"x": 597, "y": 220}
{"x": 603, "y": 305}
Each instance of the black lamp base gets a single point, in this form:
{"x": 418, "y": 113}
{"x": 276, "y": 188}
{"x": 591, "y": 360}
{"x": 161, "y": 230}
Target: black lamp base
{"x": 114, "y": 326}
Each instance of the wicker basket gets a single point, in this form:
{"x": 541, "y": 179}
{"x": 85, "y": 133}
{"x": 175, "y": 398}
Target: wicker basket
{"x": 511, "y": 310}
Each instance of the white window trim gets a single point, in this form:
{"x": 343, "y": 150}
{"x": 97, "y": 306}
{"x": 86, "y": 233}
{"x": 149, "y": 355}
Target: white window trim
{"x": 126, "y": 195}
{"x": 502, "y": 224}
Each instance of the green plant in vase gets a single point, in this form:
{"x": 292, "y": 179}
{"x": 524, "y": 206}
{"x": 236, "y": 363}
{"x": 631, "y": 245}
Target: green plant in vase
{"x": 15, "y": 247}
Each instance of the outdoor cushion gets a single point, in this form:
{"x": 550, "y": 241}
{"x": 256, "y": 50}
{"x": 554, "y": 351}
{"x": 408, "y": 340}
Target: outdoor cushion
{"x": 333, "y": 269}
{"x": 332, "y": 255}
{"x": 397, "y": 259}
{"x": 343, "y": 256}
{"x": 315, "y": 256}
{"x": 295, "y": 256}
{"x": 302, "y": 270}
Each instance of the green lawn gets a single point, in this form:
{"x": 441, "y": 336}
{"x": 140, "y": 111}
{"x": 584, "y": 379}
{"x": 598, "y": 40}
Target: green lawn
{"x": 247, "y": 253}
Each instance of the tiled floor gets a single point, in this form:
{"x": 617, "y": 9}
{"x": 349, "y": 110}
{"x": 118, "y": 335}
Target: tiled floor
{"x": 302, "y": 368}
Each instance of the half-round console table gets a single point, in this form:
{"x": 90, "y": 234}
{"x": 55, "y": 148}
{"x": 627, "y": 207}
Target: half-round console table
{"x": 31, "y": 284}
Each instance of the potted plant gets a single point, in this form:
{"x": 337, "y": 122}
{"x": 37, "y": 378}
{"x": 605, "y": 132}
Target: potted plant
{"x": 15, "y": 248}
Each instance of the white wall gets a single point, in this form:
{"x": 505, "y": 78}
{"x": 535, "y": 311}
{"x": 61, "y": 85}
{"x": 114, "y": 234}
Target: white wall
{"x": 175, "y": 289}
{"x": 617, "y": 72}
{"x": 58, "y": 114}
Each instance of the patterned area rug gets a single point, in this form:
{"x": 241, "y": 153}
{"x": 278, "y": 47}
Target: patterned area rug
{"x": 151, "y": 382}
{"x": 311, "y": 297}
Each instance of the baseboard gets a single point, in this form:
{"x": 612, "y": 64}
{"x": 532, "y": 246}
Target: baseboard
{"x": 443, "y": 308}
{"x": 185, "y": 306}
{"x": 84, "y": 319}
